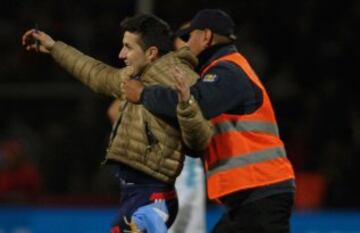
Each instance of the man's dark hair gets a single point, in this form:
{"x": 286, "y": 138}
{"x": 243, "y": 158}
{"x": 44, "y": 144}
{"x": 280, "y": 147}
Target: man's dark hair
{"x": 152, "y": 30}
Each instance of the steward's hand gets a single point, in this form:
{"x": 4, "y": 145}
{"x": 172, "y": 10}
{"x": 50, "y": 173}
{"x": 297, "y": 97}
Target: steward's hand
{"x": 181, "y": 86}
{"x": 34, "y": 40}
{"x": 132, "y": 90}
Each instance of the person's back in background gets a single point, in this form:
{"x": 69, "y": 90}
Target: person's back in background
{"x": 19, "y": 178}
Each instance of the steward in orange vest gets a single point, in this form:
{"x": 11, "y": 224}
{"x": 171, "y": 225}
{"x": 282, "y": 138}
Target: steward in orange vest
{"x": 246, "y": 150}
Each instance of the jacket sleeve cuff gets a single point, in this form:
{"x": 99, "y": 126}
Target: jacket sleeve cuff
{"x": 187, "y": 109}
{"x": 57, "y": 48}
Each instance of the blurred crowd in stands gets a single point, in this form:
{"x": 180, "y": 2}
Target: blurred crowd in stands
{"x": 52, "y": 129}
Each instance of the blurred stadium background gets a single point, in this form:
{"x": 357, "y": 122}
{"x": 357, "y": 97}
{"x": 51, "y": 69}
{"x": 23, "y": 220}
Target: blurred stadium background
{"x": 306, "y": 53}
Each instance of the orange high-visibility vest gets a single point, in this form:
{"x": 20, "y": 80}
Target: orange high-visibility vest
{"x": 246, "y": 150}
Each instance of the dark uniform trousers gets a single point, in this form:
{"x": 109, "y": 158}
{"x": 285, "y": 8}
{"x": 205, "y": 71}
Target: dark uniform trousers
{"x": 266, "y": 215}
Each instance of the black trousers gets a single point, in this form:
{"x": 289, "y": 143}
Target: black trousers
{"x": 267, "y": 215}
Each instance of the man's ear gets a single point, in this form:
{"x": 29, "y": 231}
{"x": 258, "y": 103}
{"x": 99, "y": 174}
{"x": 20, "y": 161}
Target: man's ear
{"x": 208, "y": 37}
{"x": 152, "y": 53}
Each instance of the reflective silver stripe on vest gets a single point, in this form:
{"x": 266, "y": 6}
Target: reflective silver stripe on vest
{"x": 246, "y": 126}
{"x": 247, "y": 159}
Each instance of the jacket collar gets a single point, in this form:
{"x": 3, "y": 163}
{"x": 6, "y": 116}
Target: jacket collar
{"x": 212, "y": 53}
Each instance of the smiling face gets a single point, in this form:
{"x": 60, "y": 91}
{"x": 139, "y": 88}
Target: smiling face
{"x": 133, "y": 54}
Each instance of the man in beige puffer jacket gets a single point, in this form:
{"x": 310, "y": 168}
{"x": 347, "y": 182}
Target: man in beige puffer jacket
{"x": 146, "y": 151}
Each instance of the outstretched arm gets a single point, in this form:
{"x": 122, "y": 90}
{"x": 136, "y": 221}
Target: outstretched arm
{"x": 224, "y": 89}
{"x": 100, "y": 77}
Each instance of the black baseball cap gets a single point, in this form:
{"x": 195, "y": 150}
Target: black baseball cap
{"x": 216, "y": 20}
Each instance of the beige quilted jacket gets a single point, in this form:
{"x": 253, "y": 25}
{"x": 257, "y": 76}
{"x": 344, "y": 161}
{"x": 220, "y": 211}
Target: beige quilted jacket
{"x": 139, "y": 139}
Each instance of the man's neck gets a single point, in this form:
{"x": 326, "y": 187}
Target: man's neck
{"x": 206, "y": 55}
